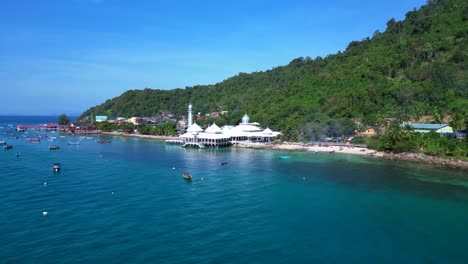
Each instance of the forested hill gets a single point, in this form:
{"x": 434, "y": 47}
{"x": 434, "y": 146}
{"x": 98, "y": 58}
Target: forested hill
{"x": 416, "y": 67}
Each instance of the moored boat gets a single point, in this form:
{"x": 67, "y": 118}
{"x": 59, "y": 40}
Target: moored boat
{"x": 187, "y": 176}
{"x": 34, "y": 140}
{"x": 54, "y": 147}
{"x": 56, "y": 167}
{"x": 7, "y": 147}
{"x": 74, "y": 143}
{"x": 103, "y": 141}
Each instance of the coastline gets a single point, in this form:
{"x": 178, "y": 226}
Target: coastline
{"x": 329, "y": 148}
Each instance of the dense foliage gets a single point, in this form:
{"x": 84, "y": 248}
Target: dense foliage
{"x": 165, "y": 129}
{"x": 416, "y": 67}
{"x": 63, "y": 119}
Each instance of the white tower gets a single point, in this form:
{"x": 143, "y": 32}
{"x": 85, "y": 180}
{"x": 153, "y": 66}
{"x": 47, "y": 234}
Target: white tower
{"x": 190, "y": 120}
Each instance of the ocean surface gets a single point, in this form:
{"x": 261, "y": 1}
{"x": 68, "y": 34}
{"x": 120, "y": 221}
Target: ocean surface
{"x": 126, "y": 202}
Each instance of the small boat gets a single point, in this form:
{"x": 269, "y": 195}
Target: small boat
{"x": 2, "y": 142}
{"x": 7, "y": 147}
{"x": 224, "y": 163}
{"x": 34, "y": 140}
{"x": 187, "y": 176}
{"x": 103, "y": 141}
{"x": 74, "y": 143}
{"x": 54, "y": 147}
{"x": 56, "y": 167}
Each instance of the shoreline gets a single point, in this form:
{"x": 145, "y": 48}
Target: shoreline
{"x": 329, "y": 148}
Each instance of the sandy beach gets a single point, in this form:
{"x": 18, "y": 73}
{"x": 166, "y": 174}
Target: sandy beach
{"x": 326, "y": 148}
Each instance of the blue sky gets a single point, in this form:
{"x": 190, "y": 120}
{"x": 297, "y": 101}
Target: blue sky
{"x": 65, "y": 56}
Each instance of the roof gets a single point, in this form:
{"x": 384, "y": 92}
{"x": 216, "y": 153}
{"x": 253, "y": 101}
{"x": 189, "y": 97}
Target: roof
{"x": 425, "y": 126}
{"x": 194, "y": 128}
{"x": 214, "y": 129}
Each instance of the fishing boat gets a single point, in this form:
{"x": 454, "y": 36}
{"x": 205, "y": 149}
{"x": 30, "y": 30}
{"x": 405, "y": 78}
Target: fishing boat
{"x": 187, "y": 176}
{"x": 54, "y": 147}
{"x": 34, "y": 140}
{"x": 73, "y": 143}
{"x": 103, "y": 141}
{"x": 224, "y": 163}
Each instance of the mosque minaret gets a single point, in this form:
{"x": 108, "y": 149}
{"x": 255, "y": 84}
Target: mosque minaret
{"x": 190, "y": 118}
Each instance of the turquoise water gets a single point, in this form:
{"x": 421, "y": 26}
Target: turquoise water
{"x": 126, "y": 202}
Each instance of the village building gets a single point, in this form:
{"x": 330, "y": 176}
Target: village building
{"x": 425, "y": 128}
{"x": 101, "y": 118}
{"x": 370, "y": 131}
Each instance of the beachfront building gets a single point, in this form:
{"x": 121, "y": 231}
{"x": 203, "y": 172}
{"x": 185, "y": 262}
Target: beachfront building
{"x": 425, "y": 128}
{"x": 214, "y": 136}
{"x": 250, "y": 132}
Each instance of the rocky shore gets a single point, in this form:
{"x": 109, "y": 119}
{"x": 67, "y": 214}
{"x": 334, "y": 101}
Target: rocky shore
{"x": 422, "y": 158}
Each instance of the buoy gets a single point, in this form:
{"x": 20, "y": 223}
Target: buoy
{"x": 45, "y": 213}
{"x": 202, "y": 179}
{"x": 173, "y": 168}
{"x": 45, "y": 184}
{"x": 303, "y": 178}
{"x": 112, "y": 193}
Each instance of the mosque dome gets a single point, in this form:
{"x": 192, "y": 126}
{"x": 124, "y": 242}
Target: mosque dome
{"x": 245, "y": 119}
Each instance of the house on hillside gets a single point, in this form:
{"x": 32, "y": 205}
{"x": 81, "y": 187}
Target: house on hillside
{"x": 101, "y": 118}
{"x": 370, "y": 131}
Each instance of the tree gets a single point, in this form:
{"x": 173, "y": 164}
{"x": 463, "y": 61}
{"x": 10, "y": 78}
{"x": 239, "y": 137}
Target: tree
{"x": 456, "y": 122}
{"x": 63, "y": 119}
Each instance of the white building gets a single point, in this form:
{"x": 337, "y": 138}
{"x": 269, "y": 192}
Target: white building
{"x": 216, "y": 137}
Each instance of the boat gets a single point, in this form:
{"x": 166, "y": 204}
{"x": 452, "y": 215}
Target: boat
{"x": 103, "y": 141}
{"x": 56, "y": 167}
{"x": 187, "y": 176}
{"x": 224, "y": 163}
{"x": 2, "y": 142}
{"x": 54, "y": 147}
{"x": 73, "y": 143}
{"x": 7, "y": 147}
{"x": 34, "y": 140}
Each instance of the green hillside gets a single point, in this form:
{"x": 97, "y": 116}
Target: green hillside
{"x": 416, "y": 67}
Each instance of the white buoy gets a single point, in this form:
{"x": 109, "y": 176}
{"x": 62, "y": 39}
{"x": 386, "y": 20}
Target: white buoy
{"x": 112, "y": 193}
{"x": 45, "y": 184}
{"x": 45, "y": 213}
{"x": 202, "y": 179}
{"x": 173, "y": 168}
{"x": 303, "y": 178}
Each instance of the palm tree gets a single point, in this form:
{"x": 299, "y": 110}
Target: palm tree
{"x": 395, "y": 133}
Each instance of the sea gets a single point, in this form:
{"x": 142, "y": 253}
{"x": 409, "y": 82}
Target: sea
{"x": 126, "y": 202}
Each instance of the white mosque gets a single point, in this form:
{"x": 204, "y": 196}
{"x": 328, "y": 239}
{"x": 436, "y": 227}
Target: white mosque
{"x": 214, "y": 136}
